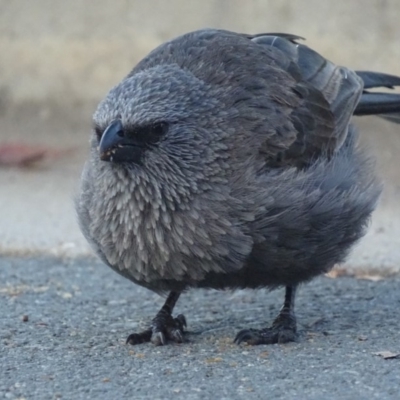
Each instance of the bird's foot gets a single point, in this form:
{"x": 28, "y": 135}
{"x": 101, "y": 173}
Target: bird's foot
{"x": 283, "y": 330}
{"x": 163, "y": 328}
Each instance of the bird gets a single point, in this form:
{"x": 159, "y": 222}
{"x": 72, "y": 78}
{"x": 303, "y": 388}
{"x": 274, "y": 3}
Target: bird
{"x": 229, "y": 161}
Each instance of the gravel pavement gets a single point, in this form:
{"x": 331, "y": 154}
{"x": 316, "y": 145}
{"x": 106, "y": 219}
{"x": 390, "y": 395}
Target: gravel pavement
{"x": 64, "y": 323}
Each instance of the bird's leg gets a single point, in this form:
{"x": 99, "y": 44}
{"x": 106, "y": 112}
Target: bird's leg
{"x": 283, "y": 329}
{"x": 163, "y": 326}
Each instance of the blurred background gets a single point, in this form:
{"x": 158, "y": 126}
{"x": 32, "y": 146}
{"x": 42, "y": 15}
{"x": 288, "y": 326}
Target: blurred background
{"x": 59, "y": 58}
{"x": 65, "y": 51}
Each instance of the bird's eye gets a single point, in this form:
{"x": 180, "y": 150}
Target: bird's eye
{"x": 156, "y": 131}
{"x": 159, "y": 129}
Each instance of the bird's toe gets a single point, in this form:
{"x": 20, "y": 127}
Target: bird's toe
{"x": 282, "y": 331}
{"x": 164, "y": 329}
{"x": 138, "y": 338}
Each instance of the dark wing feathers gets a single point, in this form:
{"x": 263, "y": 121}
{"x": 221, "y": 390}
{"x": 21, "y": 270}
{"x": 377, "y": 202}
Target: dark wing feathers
{"x": 386, "y": 105}
{"x": 344, "y": 90}
{"x": 330, "y": 95}
{"x": 378, "y": 79}
{"x": 378, "y": 103}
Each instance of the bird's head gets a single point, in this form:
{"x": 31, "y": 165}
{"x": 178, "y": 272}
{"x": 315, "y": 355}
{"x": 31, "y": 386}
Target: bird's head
{"x": 160, "y": 121}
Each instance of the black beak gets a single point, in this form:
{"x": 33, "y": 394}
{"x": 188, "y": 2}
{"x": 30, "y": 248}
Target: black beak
{"x": 116, "y": 147}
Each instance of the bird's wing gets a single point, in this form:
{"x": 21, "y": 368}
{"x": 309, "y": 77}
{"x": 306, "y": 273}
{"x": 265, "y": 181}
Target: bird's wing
{"x": 329, "y": 96}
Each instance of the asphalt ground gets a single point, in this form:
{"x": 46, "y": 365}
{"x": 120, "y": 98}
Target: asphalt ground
{"x": 64, "y": 324}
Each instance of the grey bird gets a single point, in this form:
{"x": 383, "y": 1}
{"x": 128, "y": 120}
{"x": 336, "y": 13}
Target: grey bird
{"x": 228, "y": 161}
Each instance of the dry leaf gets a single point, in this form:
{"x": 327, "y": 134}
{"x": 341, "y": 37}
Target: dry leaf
{"x": 20, "y": 155}
{"x": 374, "y": 278}
{"x": 387, "y": 354}
{"x": 337, "y": 272}
{"x": 213, "y": 360}
{"x": 24, "y": 155}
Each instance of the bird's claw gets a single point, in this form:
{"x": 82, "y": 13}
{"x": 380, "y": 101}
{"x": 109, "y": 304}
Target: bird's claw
{"x": 138, "y": 338}
{"x": 283, "y": 330}
{"x": 164, "y": 328}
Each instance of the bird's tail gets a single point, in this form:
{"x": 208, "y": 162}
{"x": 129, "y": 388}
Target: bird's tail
{"x": 386, "y": 105}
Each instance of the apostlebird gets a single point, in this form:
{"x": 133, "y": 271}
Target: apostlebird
{"x": 228, "y": 161}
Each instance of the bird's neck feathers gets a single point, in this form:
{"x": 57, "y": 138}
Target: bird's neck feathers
{"x": 141, "y": 220}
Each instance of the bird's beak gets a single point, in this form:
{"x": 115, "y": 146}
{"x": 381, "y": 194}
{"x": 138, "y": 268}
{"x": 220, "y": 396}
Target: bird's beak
{"x": 117, "y": 147}
{"x": 111, "y": 139}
